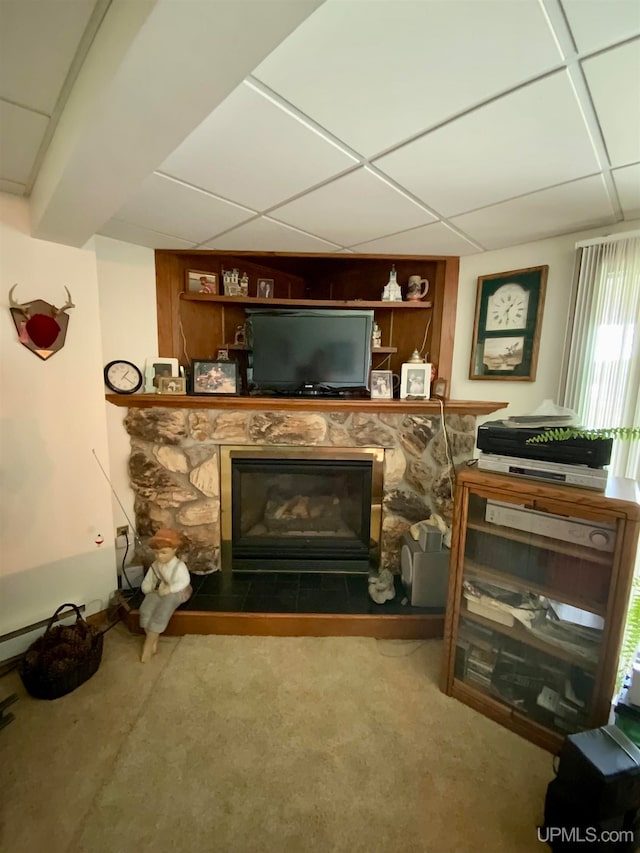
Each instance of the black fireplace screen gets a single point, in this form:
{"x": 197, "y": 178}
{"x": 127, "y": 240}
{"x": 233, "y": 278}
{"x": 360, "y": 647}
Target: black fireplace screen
{"x": 301, "y": 514}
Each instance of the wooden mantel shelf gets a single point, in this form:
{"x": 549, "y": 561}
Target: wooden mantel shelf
{"x": 304, "y": 404}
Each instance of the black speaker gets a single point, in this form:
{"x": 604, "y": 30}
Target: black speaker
{"x": 602, "y": 768}
{"x": 570, "y": 825}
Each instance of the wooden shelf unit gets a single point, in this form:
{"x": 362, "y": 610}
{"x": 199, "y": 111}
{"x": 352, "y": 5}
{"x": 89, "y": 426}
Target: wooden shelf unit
{"x": 195, "y": 325}
{"x": 509, "y": 672}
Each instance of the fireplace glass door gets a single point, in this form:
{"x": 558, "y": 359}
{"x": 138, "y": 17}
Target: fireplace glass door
{"x": 301, "y": 514}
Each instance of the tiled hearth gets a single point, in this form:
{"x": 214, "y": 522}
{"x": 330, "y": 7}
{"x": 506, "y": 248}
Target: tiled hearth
{"x": 290, "y": 592}
{"x": 294, "y": 604}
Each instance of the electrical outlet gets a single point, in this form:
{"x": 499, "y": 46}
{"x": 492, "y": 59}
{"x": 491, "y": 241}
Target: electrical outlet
{"x": 123, "y": 530}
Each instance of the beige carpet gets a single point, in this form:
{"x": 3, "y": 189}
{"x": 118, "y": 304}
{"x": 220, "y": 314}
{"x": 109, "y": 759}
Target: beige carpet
{"x": 242, "y": 744}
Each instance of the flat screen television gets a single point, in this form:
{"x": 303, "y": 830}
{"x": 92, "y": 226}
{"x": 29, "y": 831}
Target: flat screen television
{"x": 310, "y": 350}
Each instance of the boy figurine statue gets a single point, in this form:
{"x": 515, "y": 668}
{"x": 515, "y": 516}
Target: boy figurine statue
{"x": 166, "y": 585}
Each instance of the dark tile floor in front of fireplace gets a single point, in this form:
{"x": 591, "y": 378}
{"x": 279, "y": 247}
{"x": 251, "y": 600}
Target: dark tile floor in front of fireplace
{"x": 291, "y": 592}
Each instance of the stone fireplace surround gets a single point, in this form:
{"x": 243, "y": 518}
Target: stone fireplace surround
{"x": 174, "y": 465}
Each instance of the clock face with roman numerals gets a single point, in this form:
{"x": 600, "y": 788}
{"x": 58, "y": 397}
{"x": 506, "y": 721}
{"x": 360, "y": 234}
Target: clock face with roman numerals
{"x": 507, "y": 308}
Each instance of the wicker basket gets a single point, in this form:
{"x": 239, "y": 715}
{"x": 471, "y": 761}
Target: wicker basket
{"x": 61, "y": 659}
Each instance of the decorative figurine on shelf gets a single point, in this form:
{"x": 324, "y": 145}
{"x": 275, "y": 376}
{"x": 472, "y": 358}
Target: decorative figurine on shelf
{"x": 231, "y": 283}
{"x": 382, "y": 587}
{"x": 376, "y": 337}
{"x": 415, "y": 289}
{"x": 391, "y": 291}
{"x": 166, "y": 585}
{"x": 241, "y": 335}
{"x": 244, "y": 284}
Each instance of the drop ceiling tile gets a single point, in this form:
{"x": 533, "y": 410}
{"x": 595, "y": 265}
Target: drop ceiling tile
{"x": 599, "y": 23}
{"x": 435, "y": 239}
{"x": 613, "y": 78}
{"x": 38, "y": 42}
{"x": 129, "y": 233}
{"x": 627, "y": 182}
{"x": 265, "y": 235}
{"x": 376, "y": 73}
{"x": 253, "y": 152}
{"x": 170, "y": 207}
{"x": 559, "y": 210}
{"x": 22, "y": 134}
{"x": 357, "y": 207}
{"x": 531, "y": 139}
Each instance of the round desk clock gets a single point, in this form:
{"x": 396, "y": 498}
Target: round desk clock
{"x": 122, "y": 377}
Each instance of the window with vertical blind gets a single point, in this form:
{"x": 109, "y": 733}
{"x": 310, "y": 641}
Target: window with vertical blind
{"x": 602, "y": 378}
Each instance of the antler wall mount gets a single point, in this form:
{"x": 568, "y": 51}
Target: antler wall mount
{"x": 41, "y": 327}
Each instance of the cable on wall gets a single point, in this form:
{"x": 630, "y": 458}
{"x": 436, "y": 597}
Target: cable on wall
{"x": 447, "y": 447}
{"x": 182, "y": 335}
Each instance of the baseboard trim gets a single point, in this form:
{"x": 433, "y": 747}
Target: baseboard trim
{"x": 389, "y": 627}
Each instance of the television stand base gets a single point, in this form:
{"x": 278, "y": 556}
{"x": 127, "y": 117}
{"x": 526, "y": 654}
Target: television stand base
{"x": 335, "y": 393}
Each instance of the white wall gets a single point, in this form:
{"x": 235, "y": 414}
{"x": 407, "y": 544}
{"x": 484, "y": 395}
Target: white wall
{"x": 559, "y": 253}
{"x": 55, "y": 501}
{"x": 128, "y": 318}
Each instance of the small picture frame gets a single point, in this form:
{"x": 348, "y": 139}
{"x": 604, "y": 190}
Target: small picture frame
{"x": 439, "y": 389}
{"x": 172, "y": 385}
{"x": 202, "y": 282}
{"x": 381, "y": 385}
{"x": 264, "y": 288}
{"x": 155, "y": 368}
{"x": 215, "y": 377}
{"x": 415, "y": 381}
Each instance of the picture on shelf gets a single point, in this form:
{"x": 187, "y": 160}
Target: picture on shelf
{"x": 155, "y": 368}
{"x": 202, "y": 282}
{"x": 215, "y": 377}
{"x": 416, "y": 381}
{"x": 440, "y": 388}
{"x": 381, "y": 385}
{"x": 265, "y": 288}
{"x": 171, "y": 385}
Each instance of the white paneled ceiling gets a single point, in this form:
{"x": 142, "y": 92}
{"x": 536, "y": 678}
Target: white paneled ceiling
{"x": 390, "y": 126}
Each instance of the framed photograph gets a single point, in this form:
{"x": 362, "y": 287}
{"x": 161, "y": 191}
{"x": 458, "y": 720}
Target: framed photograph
{"x": 439, "y": 389}
{"x": 415, "y": 381}
{"x": 215, "y": 377}
{"x": 508, "y": 321}
{"x": 155, "y": 368}
{"x": 381, "y": 385}
{"x": 202, "y": 282}
{"x": 265, "y": 288}
{"x": 172, "y": 385}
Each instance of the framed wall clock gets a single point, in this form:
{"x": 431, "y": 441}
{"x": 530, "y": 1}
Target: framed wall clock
{"x": 508, "y": 320}
{"x": 122, "y": 377}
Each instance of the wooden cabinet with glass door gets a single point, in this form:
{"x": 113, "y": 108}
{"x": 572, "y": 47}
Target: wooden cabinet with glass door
{"x": 538, "y": 591}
